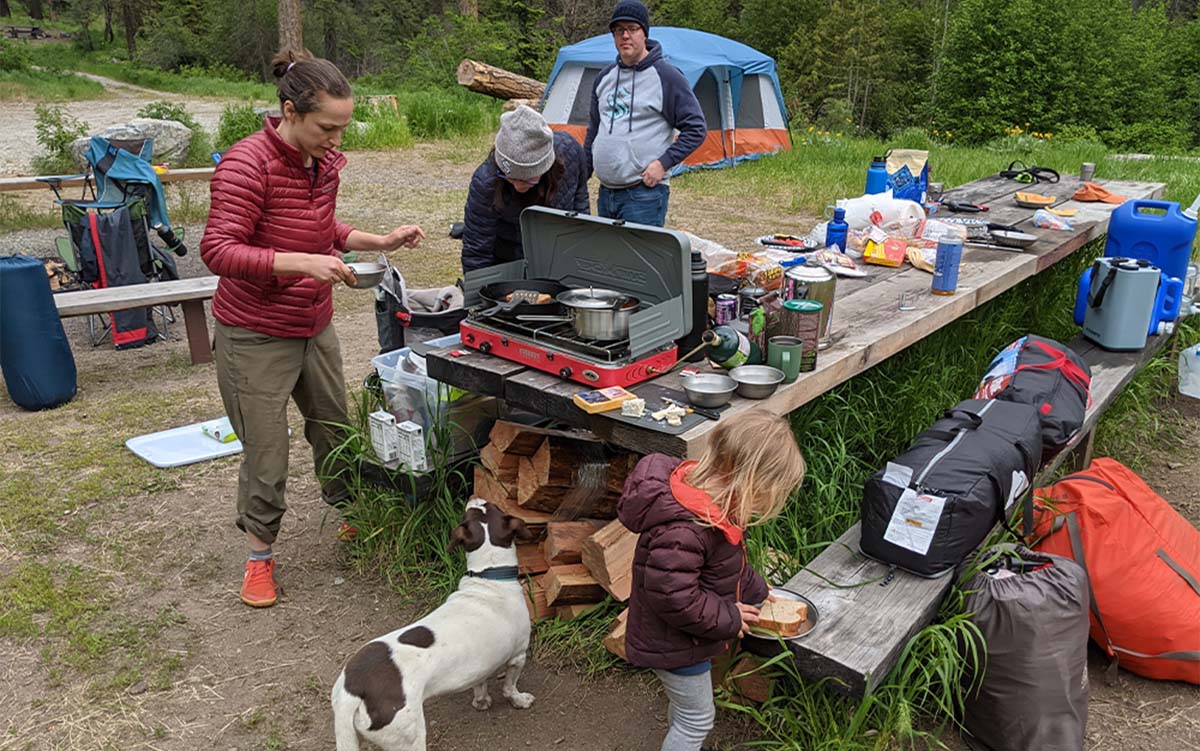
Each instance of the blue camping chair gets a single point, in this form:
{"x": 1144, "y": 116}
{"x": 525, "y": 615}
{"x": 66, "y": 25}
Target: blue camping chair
{"x": 120, "y": 177}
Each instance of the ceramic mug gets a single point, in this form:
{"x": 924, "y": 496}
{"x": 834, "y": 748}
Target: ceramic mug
{"x": 783, "y": 352}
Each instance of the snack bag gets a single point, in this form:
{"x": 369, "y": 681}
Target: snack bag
{"x": 890, "y": 252}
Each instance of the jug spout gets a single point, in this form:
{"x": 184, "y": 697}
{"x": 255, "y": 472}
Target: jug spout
{"x": 1191, "y": 211}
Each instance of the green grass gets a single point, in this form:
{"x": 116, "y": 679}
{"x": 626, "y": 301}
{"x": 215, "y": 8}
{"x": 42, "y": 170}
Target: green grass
{"x": 17, "y": 215}
{"x": 46, "y": 86}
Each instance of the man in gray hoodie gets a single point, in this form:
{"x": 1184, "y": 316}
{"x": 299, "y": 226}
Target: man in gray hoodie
{"x": 638, "y": 103}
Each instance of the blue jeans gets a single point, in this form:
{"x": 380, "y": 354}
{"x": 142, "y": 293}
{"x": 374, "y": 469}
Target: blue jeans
{"x": 637, "y": 204}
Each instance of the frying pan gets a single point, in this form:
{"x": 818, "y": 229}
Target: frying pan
{"x": 496, "y": 294}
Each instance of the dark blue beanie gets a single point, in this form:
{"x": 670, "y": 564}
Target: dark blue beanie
{"x": 631, "y": 10}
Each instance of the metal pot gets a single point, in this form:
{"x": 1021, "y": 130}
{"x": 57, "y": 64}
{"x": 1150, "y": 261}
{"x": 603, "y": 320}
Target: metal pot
{"x": 601, "y": 314}
{"x": 813, "y": 283}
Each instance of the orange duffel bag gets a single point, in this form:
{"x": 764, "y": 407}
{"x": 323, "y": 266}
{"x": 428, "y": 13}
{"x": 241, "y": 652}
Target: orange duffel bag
{"x": 1143, "y": 564}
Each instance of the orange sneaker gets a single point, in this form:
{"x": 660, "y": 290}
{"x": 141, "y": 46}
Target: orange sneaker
{"x": 258, "y": 586}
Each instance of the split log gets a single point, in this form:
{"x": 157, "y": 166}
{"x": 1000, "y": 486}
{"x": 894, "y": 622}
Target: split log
{"x": 748, "y": 681}
{"x": 572, "y": 585}
{"x": 615, "y": 641}
{"x": 497, "y": 82}
{"x": 564, "y": 540}
{"x": 571, "y": 612}
{"x": 515, "y": 438}
{"x": 535, "y": 598}
{"x": 608, "y": 555}
{"x": 530, "y": 558}
{"x": 551, "y": 475}
{"x": 490, "y": 489}
{"x": 503, "y": 466}
{"x": 512, "y": 104}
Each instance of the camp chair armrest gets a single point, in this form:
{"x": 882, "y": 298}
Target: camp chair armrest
{"x": 56, "y": 179}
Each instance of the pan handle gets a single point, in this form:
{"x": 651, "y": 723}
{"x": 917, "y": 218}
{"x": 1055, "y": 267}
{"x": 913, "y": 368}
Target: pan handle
{"x": 545, "y": 319}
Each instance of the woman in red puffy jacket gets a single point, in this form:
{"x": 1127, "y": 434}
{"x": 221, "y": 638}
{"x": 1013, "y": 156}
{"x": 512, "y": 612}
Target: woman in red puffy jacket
{"x": 273, "y": 239}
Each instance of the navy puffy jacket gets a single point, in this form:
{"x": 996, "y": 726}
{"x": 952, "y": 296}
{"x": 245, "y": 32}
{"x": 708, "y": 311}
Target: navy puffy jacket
{"x": 485, "y": 225}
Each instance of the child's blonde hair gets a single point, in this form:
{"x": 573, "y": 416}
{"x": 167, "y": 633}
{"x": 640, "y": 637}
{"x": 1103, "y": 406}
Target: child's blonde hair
{"x": 750, "y": 467}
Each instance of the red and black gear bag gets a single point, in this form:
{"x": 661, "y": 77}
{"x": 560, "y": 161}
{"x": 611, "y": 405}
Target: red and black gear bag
{"x": 1048, "y": 376}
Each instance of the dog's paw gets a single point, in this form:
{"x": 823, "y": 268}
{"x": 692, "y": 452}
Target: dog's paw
{"x": 482, "y": 703}
{"x": 521, "y": 700}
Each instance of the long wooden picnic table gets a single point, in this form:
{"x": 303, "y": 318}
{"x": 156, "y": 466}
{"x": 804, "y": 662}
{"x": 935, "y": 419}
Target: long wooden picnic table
{"x": 868, "y": 325}
{"x": 187, "y": 174}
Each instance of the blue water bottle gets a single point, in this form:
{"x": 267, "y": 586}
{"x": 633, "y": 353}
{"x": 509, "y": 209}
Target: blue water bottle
{"x": 836, "y": 229}
{"x": 945, "y": 266}
{"x": 877, "y": 176}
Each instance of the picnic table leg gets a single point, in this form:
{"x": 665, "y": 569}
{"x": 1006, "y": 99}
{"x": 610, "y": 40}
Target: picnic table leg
{"x": 1082, "y": 455}
{"x": 197, "y": 331}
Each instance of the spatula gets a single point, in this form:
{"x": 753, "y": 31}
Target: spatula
{"x": 515, "y": 298}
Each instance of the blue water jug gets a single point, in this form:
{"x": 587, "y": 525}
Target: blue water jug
{"x": 1154, "y": 231}
{"x": 39, "y": 369}
{"x": 876, "y": 176}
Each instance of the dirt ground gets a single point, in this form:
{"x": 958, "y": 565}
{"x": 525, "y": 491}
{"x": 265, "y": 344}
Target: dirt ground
{"x": 162, "y": 654}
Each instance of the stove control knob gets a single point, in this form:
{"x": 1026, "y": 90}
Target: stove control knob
{"x": 565, "y": 372}
{"x": 504, "y": 341}
{"x": 550, "y": 356}
{"x": 470, "y": 337}
{"x": 485, "y": 347}
{"x": 591, "y": 375}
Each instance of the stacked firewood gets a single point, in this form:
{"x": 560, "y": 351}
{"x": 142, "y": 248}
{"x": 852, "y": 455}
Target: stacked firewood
{"x": 580, "y": 553}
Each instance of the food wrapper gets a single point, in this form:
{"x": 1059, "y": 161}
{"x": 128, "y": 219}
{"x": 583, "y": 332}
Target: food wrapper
{"x": 839, "y": 263}
{"x": 922, "y": 258}
{"x": 758, "y": 269}
{"x": 889, "y": 253}
{"x": 1046, "y": 220}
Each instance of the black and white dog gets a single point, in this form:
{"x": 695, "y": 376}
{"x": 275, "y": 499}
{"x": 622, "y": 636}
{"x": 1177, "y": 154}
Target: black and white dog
{"x": 481, "y": 630}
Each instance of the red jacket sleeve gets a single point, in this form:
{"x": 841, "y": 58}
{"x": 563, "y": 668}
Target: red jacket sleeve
{"x": 238, "y": 192}
{"x": 341, "y": 234}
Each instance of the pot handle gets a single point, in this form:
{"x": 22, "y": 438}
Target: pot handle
{"x": 546, "y": 319}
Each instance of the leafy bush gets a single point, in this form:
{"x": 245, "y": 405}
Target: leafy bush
{"x": 56, "y": 131}
{"x": 911, "y": 138}
{"x": 376, "y": 127}
{"x": 13, "y": 57}
{"x": 1079, "y": 134}
{"x": 237, "y": 122}
{"x": 200, "y": 147}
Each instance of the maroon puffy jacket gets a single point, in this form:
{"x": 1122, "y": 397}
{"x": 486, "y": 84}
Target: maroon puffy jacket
{"x": 265, "y": 202}
{"x": 687, "y": 577}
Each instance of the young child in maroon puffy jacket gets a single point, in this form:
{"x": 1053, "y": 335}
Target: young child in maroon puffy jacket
{"x": 693, "y": 589}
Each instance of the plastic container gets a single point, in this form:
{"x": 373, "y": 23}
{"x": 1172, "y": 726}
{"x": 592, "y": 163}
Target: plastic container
{"x": 837, "y": 229}
{"x": 1154, "y": 231}
{"x": 876, "y": 176}
{"x": 1189, "y": 371}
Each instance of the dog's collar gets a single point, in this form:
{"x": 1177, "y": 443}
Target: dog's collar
{"x": 496, "y": 573}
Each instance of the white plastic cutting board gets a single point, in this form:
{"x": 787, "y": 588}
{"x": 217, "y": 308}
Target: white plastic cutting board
{"x": 180, "y": 446}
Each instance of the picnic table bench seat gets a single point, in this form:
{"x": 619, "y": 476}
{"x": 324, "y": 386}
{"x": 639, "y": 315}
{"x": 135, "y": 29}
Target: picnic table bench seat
{"x": 864, "y": 629}
{"x": 189, "y": 294}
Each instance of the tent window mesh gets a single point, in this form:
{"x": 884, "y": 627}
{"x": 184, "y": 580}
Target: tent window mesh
{"x": 750, "y": 109}
{"x": 708, "y": 93}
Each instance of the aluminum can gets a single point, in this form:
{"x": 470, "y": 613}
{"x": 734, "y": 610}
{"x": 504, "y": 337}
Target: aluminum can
{"x": 945, "y": 267}
{"x": 725, "y": 309}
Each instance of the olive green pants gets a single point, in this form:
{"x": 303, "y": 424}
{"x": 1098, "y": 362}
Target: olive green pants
{"x": 256, "y": 374}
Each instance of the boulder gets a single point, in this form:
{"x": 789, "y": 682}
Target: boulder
{"x": 171, "y": 139}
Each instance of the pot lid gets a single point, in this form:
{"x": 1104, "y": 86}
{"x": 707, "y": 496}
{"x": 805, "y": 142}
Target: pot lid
{"x": 592, "y": 298}
{"x": 808, "y": 273}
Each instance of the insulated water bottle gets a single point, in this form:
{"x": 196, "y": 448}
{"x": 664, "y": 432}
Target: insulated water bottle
{"x": 876, "y": 176}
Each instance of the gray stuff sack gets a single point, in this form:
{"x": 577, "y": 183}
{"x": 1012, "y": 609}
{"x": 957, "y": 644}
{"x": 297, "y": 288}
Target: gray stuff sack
{"x": 1034, "y": 621}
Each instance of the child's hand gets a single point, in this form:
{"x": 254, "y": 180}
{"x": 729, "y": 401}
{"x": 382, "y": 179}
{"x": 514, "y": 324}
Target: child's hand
{"x": 749, "y": 615}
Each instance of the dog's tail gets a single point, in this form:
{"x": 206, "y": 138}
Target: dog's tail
{"x": 345, "y": 707}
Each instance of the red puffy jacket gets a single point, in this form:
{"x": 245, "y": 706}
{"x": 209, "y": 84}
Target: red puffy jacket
{"x": 265, "y": 202}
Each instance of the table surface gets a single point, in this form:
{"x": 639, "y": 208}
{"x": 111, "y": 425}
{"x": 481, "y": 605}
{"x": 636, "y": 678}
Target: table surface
{"x": 867, "y": 323}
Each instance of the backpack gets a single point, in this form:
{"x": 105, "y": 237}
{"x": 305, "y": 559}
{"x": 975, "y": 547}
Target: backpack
{"x": 1031, "y": 610}
{"x": 1143, "y": 564}
{"x": 932, "y": 505}
{"x": 1046, "y": 375}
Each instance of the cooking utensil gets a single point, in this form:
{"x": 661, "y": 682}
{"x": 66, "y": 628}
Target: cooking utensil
{"x": 964, "y": 207}
{"x": 762, "y": 636}
{"x": 497, "y": 294}
{"x": 600, "y": 314}
{"x": 703, "y": 412}
{"x": 756, "y": 381}
{"x": 709, "y": 389}
{"x": 366, "y": 274}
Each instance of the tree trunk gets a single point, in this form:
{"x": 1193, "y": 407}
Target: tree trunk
{"x": 291, "y": 36}
{"x": 497, "y": 82}
{"x": 108, "y": 21}
{"x": 35, "y": 9}
{"x": 5, "y": 10}
{"x": 468, "y": 8}
{"x": 129, "y": 19}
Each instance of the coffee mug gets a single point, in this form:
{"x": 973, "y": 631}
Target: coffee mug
{"x": 783, "y": 352}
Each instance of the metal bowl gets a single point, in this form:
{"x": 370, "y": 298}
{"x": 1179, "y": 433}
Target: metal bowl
{"x": 1013, "y": 239}
{"x": 367, "y": 274}
{"x": 709, "y": 389}
{"x": 756, "y": 381}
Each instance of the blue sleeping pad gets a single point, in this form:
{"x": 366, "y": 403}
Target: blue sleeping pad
{"x": 39, "y": 369}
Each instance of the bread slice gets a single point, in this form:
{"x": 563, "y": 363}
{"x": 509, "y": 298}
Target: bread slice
{"x": 784, "y": 617}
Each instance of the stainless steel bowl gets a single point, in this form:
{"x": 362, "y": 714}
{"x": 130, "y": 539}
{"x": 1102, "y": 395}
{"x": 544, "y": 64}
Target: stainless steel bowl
{"x": 756, "y": 381}
{"x": 1013, "y": 239}
{"x": 709, "y": 389}
{"x": 367, "y": 274}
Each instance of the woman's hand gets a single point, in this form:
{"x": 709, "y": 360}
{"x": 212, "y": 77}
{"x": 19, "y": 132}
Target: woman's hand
{"x": 407, "y": 236}
{"x": 328, "y": 269}
{"x": 749, "y": 615}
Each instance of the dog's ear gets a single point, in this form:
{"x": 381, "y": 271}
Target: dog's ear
{"x": 516, "y": 528}
{"x": 468, "y": 535}
{"x": 458, "y": 538}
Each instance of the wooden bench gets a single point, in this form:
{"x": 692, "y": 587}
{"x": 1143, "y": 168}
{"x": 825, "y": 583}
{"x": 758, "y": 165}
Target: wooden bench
{"x": 30, "y": 32}
{"x": 189, "y": 294}
{"x": 864, "y": 629}
{"x": 190, "y": 174}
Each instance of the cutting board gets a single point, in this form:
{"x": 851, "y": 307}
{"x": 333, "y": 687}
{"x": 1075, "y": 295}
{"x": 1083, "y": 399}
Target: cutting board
{"x": 653, "y": 393}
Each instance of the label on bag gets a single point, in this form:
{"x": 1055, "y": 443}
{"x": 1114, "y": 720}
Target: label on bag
{"x": 915, "y": 521}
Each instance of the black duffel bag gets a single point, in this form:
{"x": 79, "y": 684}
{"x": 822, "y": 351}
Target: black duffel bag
{"x": 1047, "y": 375}
{"x": 933, "y": 504}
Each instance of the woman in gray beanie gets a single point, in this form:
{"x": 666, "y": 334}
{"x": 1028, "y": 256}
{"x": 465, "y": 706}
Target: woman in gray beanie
{"x": 530, "y": 165}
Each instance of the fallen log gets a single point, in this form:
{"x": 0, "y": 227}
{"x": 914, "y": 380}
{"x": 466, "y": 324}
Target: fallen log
{"x": 608, "y": 555}
{"x": 497, "y": 82}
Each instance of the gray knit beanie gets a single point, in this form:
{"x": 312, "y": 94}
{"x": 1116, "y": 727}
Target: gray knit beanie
{"x": 524, "y": 145}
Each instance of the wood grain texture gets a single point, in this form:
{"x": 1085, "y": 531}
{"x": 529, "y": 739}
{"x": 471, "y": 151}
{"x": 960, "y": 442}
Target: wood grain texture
{"x": 88, "y": 301}
{"x": 615, "y": 641}
{"x": 572, "y": 584}
{"x": 564, "y": 540}
{"x": 608, "y": 554}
